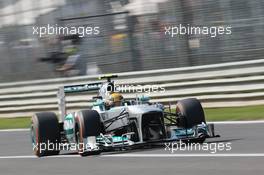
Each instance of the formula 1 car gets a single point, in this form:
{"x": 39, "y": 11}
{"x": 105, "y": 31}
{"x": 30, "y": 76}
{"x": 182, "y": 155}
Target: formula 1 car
{"x": 102, "y": 128}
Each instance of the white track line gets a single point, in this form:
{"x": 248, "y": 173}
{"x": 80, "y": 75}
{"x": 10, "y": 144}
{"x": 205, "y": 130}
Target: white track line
{"x": 238, "y": 122}
{"x": 185, "y": 155}
{"x": 14, "y": 130}
{"x": 34, "y": 157}
{"x": 17, "y": 157}
{"x": 142, "y": 156}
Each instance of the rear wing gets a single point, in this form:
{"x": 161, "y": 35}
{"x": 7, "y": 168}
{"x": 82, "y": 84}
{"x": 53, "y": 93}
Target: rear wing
{"x": 82, "y": 87}
{"x": 73, "y": 89}
{"x": 79, "y": 88}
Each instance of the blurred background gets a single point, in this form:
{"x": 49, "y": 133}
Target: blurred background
{"x": 131, "y": 35}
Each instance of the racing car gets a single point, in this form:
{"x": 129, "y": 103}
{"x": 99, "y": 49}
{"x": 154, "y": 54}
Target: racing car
{"x": 109, "y": 127}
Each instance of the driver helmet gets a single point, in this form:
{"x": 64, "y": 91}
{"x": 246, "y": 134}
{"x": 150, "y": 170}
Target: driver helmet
{"x": 116, "y": 98}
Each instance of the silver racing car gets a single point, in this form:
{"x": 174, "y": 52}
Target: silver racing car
{"x": 114, "y": 123}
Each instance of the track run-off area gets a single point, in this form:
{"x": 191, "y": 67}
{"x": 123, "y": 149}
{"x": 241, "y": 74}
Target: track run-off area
{"x": 246, "y": 140}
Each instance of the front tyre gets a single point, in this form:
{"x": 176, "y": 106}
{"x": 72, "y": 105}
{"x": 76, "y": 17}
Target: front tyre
{"x": 191, "y": 113}
{"x": 88, "y": 125}
{"x": 45, "y": 134}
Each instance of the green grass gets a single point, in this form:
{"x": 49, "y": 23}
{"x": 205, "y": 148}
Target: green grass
{"x": 212, "y": 114}
{"x": 13, "y": 123}
{"x": 235, "y": 113}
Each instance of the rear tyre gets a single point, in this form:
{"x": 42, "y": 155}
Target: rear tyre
{"x": 87, "y": 124}
{"x": 191, "y": 112}
{"x": 45, "y": 134}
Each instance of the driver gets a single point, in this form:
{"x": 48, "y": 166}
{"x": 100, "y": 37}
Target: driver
{"x": 115, "y": 99}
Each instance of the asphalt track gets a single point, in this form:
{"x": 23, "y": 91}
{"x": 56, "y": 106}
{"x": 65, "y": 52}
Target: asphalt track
{"x": 245, "y": 157}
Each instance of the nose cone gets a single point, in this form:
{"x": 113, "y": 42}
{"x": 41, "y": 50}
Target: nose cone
{"x": 141, "y": 109}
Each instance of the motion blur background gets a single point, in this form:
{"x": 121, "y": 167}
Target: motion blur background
{"x": 132, "y": 34}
